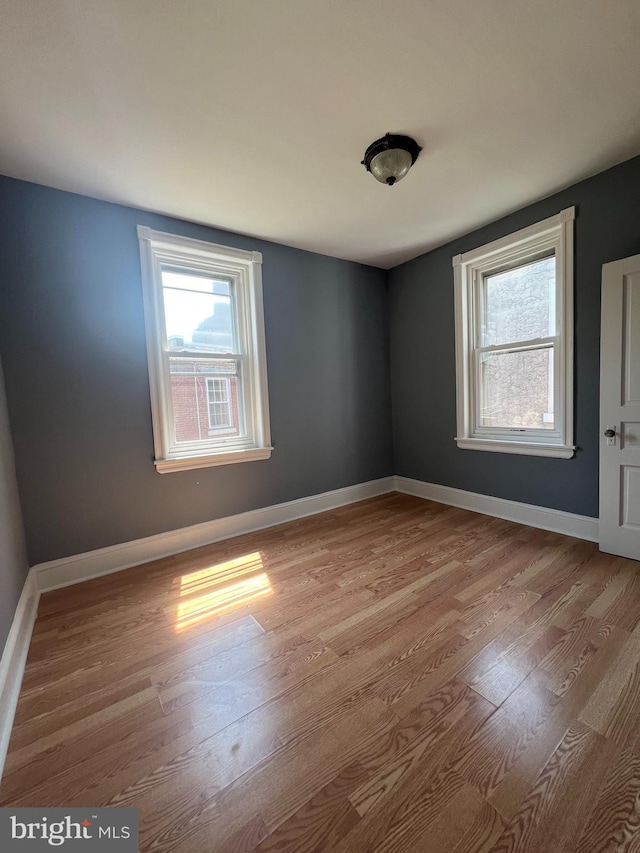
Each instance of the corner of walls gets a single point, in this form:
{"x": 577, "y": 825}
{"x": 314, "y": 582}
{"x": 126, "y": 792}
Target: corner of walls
{"x": 14, "y": 658}
{"x": 18, "y": 592}
{"x": 13, "y": 553}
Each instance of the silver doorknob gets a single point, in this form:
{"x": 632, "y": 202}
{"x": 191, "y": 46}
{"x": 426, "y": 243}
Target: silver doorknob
{"x": 610, "y": 433}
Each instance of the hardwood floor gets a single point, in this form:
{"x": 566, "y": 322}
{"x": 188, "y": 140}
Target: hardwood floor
{"x": 396, "y": 675}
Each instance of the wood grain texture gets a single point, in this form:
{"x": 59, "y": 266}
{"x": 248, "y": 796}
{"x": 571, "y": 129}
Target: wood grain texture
{"x": 394, "y": 675}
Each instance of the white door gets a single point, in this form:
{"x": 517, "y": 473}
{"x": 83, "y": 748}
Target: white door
{"x": 620, "y": 409}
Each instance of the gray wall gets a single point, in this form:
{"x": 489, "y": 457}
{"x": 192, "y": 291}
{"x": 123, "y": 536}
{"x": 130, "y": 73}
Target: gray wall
{"x": 423, "y": 359}
{"x": 13, "y": 555}
{"x": 73, "y": 345}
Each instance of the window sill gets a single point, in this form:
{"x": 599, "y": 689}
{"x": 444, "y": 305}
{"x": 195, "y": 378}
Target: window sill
{"x": 557, "y": 451}
{"x": 188, "y": 463}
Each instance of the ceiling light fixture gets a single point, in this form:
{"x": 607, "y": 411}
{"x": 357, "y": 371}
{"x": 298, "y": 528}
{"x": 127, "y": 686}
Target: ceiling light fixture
{"x": 390, "y": 157}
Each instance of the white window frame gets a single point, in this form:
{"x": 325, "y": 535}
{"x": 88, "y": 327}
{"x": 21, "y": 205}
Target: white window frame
{"x": 551, "y": 236}
{"x": 227, "y": 384}
{"x": 245, "y": 270}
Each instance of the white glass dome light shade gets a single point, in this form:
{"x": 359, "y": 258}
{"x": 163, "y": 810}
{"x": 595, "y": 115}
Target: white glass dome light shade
{"x": 391, "y": 166}
{"x": 390, "y": 157}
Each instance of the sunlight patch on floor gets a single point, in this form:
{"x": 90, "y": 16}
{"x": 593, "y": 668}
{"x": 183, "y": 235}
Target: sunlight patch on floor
{"x": 211, "y": 592}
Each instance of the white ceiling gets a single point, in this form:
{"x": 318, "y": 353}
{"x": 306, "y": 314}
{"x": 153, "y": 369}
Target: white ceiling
{"x": 253, "y": 115}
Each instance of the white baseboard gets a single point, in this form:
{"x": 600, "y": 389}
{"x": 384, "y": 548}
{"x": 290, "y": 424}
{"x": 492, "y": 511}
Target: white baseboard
{"x": 104, "y": 561}
{"x": 81, "y": 567}
{"x": 14, "y": 658}
{"x": 580, "y": 526}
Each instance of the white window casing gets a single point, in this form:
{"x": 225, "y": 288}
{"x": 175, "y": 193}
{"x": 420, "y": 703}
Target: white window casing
{"x": 553, "y": 237}
{"x": 243, "y": 270}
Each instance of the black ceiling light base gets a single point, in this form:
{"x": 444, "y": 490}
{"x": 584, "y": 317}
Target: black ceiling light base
{"x": 390, "y": 157}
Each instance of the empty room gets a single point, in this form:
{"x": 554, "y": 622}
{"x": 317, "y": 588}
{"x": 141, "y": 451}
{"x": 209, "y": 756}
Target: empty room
{"x": 320, "y": 426}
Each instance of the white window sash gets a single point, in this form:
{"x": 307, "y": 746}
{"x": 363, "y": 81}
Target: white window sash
{"x": 478, "y": 429}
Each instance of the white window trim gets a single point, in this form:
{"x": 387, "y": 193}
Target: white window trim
{"x": 554, "y": 233}
{"x": 157, "y": 248}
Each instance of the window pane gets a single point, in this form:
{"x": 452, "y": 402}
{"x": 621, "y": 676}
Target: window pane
{"x": 517, "y": 389}
{"x": 198, "y": 312}
{"x": 206, "y": 400}
{"x": 519, "y": 304}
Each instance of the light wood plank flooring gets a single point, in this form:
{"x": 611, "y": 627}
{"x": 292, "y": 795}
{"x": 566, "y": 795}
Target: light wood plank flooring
{"x": 396, "y": 675}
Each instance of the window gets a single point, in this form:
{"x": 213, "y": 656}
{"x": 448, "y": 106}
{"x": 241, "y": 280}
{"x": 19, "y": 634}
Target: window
{"x": 219, "y": 402}
{"x": 514, "y": 342}
{"x": 205, "y": 345}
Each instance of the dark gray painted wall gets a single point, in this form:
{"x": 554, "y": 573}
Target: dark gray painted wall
{"x": 73, "y": 345}
{"x": 423, "y": 358}
{"x": 13, "y": 556}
